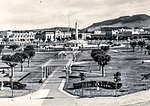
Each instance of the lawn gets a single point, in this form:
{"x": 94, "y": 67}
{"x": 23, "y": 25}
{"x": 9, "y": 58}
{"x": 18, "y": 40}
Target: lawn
{"x": 123, "y": 60}
{"x": 30, "y": 76}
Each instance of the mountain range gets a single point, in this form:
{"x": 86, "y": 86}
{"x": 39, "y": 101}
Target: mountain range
{"x": 139, "y": 20}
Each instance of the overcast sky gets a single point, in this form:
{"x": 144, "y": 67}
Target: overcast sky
{"x": 31, "y": 14}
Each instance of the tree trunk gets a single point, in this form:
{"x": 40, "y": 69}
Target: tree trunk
{"x": 28, "y": 62}
{"x": 11, "y": 79}
{"x": 12, "y": 72}
{"x": 103, "y": 74}
{"x": 2, "y": 53}
{"x": 133, "y": 49}
{"x": 13, "y": 51}
{"x": 148, "y": 52}
{"x": 99, "y": 67}
{"x": 98, "y": 46}
{"x": 141, "y": 48}
{"x": 21, "y": 66}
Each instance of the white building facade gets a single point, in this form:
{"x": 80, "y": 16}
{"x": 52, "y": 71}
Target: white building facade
{"x": 18, "y": 36}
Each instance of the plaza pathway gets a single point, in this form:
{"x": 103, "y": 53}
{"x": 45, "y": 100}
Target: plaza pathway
{"x": 51, "y": 94}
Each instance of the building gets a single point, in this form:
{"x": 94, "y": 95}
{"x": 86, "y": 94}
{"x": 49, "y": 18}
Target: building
{"x": 18, "y": 37}
{"x": 85, "y": 35}
{"x": 62, "y": 34}
{"x": 52, "y": 35}
{"x": 49, "y": 35}
{"x": 103, "y": 33}
{"x": 22, "y": 36}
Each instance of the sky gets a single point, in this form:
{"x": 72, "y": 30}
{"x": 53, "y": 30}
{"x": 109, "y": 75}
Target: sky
{"x": 34, "y": 14}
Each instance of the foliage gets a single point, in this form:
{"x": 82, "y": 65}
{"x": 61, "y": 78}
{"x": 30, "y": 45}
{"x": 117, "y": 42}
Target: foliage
{"x": 133, "y": 44}
{"x": 1, "y": 48}
{"x": 30, "y": 52}
{"x": 101, "y": 58}
{"x": 13, "y": 47}
{"x": 141, "y": 44}
{"x": 29, "y": 47}
{"x": 10, "y": 60}
{"x": 97, "y": 51}
{"x": 145, "y": 76}
{"x": 5, "y": 39}
{"x": 105, "y": 48}
{"x": 48, "y": 39}
{"x": 82, "y": 75}
{"x": 148, "y": 47}
{"x": 21, "y": 58}
{"x": 117, "y": 77}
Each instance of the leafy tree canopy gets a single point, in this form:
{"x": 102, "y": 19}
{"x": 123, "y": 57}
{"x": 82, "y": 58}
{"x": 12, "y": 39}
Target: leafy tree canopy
{"x": 10, "y": 60}
{"x": 105, "y": 48}
{"x": 13, "y": 47}
{"x": 102, "y": 59}
{"x": 97, "y": 51}
{"x": 148, "y": 47}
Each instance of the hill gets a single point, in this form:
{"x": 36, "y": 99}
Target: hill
{"x": 140, "y": 20}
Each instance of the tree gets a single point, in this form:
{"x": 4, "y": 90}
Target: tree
{"x": 102, "y": 60}
{"x": 105, "y": 48}
{"x": 13, "y": 47}
{"x": 21, "y": 58}
{"x": 141, "y": 44}
{"x": 133, "y": 44}
{"x": 1, "y": 49}
{"x": 48, "y": 40}
{"x": 43, "y": 39}
{"x": 5, "y": 39}
{"x": 30, "y": 52}
{"x": 10, "y": 60}
{"x": 97, "y": 51}
{"x": 144, "y": 78}
{"x": 148, "y": 48}
{"x": 117, "y": 79}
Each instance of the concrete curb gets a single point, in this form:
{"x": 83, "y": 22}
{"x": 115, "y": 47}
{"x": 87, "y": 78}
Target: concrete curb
{"x": 61, "y": 89}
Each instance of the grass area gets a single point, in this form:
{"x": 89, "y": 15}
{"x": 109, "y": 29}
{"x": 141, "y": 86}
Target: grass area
{"x": 33, "y": 77}
{"x": 123, "y": 60}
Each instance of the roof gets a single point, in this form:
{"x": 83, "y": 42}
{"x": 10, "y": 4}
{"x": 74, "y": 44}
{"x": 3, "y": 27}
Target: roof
{"x": 58, "y": 63}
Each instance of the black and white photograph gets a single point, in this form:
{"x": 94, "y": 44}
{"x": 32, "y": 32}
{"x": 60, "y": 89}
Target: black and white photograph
{"x": 74, "y": 52}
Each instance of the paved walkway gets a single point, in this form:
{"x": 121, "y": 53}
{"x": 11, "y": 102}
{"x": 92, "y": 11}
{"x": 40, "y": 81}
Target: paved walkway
{"x": 55, "y": 97}
{"x": 51, "y": 94}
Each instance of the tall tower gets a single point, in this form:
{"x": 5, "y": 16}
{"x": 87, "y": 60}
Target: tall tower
{"x": 76, "y": 27}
